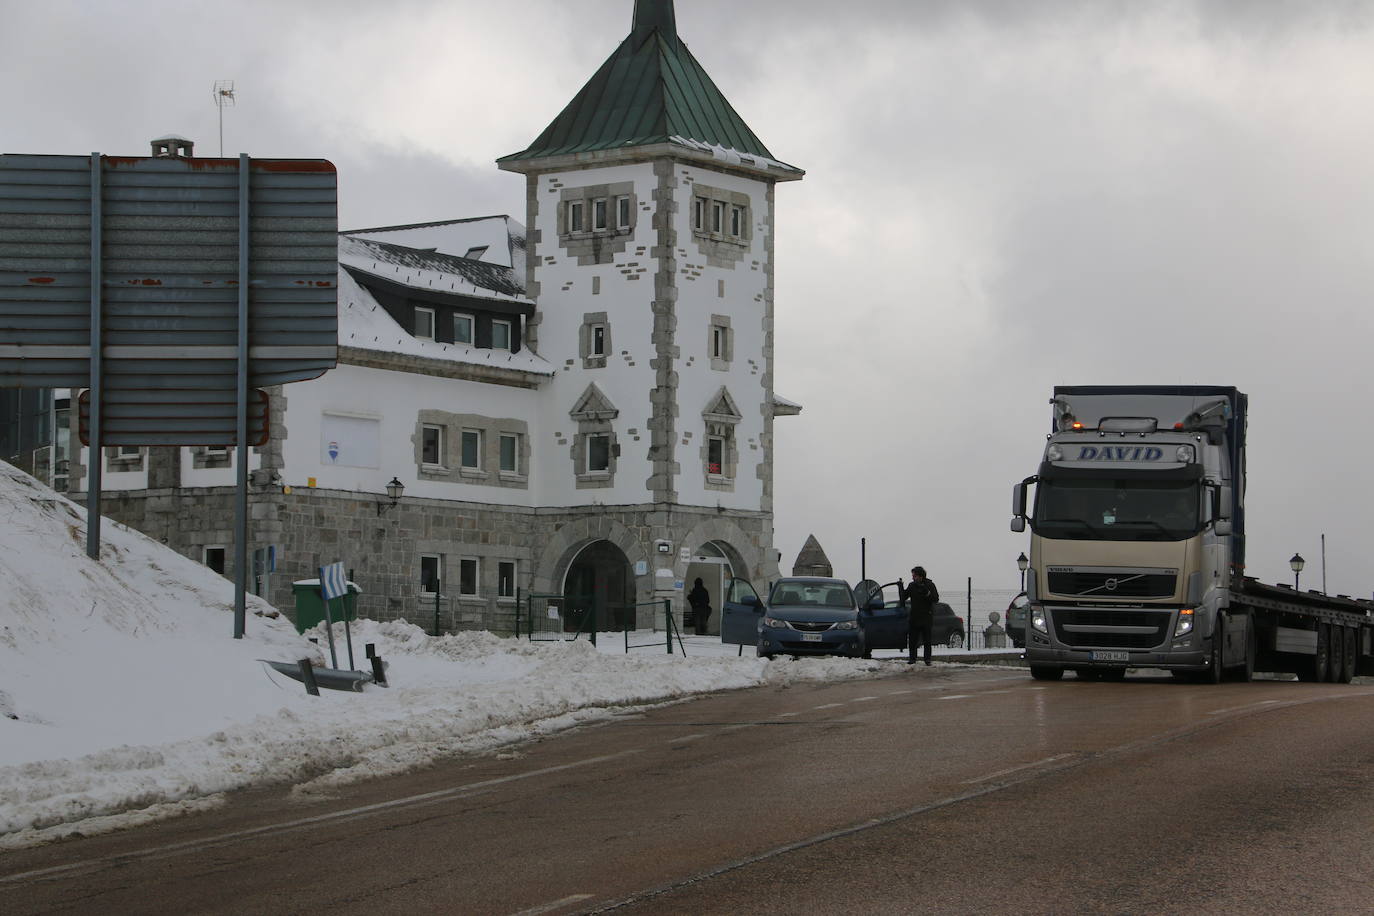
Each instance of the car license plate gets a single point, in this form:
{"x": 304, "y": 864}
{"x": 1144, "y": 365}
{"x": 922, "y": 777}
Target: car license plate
{"x": 811, "y": 637}
{"x": 1111, "y": 655}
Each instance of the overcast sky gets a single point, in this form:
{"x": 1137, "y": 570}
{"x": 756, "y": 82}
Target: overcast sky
{"x": 1000, "y": 197}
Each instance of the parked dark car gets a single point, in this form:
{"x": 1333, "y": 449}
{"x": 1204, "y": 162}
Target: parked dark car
{"x": 1016, "y": 620}
{"x": 810, "y": 615}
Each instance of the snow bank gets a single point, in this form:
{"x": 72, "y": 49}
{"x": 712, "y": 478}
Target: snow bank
{"x": 125, "y": 698}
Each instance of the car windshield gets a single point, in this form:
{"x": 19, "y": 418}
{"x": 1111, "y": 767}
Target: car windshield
{"x": 800, "y": 593}
{"x": 1121, "y": 509}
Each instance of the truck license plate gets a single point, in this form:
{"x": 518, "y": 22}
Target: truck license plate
{"x": 1110, "y": 655}
{"x": 811, "y": 637}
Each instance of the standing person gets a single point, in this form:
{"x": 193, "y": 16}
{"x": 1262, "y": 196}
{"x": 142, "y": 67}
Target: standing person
{"x": 920, "y": 597}
{"x": 700, "y": 600}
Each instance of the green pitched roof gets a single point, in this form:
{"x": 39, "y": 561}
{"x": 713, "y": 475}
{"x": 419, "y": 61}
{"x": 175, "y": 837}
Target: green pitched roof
{"x": 650, "y": 91}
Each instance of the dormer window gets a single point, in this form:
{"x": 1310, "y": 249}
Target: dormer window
{"x": 462, "y": 329}
{"x": 500, "y": 335}
{"x": 424, "y": 323}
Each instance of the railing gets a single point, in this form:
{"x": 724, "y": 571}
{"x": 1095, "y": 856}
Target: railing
{"x": 669, "y": 631}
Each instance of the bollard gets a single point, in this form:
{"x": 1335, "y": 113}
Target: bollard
{"x": 370, "y": 649}
{"x": 308, "y": 677}
{"x": 378, "y": 672}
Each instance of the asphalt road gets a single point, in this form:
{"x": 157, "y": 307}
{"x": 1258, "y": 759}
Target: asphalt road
{"x": 933, "y": 790}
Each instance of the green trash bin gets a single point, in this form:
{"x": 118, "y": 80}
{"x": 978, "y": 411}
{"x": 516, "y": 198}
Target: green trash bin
{"x": 310, "y": 606}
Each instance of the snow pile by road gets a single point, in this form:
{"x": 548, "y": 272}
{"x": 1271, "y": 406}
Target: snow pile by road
{"x": 123, "y": 696}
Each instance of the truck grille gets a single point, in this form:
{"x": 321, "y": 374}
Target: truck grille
{"x": 1113, "y": 584}
{"x": 1101, "y": 628}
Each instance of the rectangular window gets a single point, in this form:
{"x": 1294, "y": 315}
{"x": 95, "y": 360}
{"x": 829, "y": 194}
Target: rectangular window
{"x": 715, "y": 455}
{"x": 424, "y": 323}
{"x": 598, "y": 340}
{"x": 505, "y": 579}
{"x": 736, "y": 221}
{"x": 472, "y": 448}
{"x": 699, "y": 214}
{"x": 717, "y": 342}
{"x": 500, "y": 335}
{"x": 216, "y": 451}
{"x": 717, "y": 216}
{"x": 462, "y": 329}
{"x": 575, "y": 216}
{"x": 128, "y": 451}
{"x": 430, "y": 566}
{"x": 599, "y": 213}
{"x": 467, "y": 576}
{"x": 214, "y": 558}
{"x": 510, "y": 453}
{"x": 622, "y": 212}
{"x": 598, "y": 453}
{"x": 432, "y": 446}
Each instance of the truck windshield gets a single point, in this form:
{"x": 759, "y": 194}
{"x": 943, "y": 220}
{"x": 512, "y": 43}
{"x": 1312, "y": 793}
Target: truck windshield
{"x": 1122, "y": 509}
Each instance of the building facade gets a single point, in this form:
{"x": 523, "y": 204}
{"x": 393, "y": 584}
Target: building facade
{"x": 580, "y": 412}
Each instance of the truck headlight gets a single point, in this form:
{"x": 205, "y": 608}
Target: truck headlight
{"x": 1054, "y": 453}
{"x": 1185, "y": 622}
{"x": 1037, "y": 619}
{"x": 776, "y": 624}
{"x": 1185, "y": 454}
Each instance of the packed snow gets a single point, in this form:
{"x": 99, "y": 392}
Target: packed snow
{"x": 124, "y": 697}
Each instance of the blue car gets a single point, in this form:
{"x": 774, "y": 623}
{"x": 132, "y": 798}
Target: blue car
{"x": 808, "y": 615}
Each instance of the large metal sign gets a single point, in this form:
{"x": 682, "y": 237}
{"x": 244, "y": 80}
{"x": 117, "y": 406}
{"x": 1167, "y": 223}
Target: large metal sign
{"x": 167, "y": 286}
{"x": 138, "y": 267}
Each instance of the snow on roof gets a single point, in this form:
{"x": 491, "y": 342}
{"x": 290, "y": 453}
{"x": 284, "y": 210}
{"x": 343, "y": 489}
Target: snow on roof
{"x": 501, "y": 238}
{"x": 785, "y": 408}
{"x": 363, "y": 323}
{"x": 735, "y": 157}
{"x": 432, "y": 271}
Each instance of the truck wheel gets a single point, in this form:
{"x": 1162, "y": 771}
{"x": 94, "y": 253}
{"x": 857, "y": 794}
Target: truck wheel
{"x": 1348, "y": 656}
{"x": 1321, "y": 665}
{"x": 1046, "y": 673}
{"x": 1214, "y": 671}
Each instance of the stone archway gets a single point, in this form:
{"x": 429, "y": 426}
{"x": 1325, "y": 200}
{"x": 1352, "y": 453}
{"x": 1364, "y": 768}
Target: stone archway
{"x": 570, "y": 540}
{"x": 599, "y": 582}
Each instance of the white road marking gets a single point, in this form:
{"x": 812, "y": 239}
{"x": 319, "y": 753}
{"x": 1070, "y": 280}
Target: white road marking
{"x": 864, "y": 699}
{"x": 363, "y": 811}
{"x": 1222, "y": 712}
{"x": 685, "y": 738}
{"x": 893, "y": 693}
{"x": 785, "y": 715}
{"x": 556, "y": 905}
{"x": 827, "y": 706}
{"x": 956, "y": 696}
{"x": 1010, "y": 770}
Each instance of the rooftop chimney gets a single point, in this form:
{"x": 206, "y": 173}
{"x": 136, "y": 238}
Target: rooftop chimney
{"x": 172, "y": 147}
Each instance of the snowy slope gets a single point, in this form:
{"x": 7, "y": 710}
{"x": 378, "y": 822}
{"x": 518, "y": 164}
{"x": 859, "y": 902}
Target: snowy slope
{"x": 124, "y": 697}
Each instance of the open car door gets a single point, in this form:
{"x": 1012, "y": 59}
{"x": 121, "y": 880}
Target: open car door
{"x": 882, "y": 615}
{"x": 740, "y": 613}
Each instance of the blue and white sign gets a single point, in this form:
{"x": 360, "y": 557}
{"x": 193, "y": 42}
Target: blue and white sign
{"x": 333, "y": 583}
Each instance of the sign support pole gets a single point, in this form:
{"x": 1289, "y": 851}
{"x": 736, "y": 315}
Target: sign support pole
{"x": 97, "y": 452}
{"x": 241, "y": 430}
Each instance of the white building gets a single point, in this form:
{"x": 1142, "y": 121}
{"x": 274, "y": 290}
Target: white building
{"x": 584, "y": 409}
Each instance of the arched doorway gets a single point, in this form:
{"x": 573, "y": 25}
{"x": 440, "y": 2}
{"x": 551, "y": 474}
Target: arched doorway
{"x": 712, "y": 563}
{"x": 599, "y": 580}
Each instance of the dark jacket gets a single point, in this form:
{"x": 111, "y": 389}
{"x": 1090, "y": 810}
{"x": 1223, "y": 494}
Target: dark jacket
{"x": 699, "y": 598}
{"x": 920, "y": 597}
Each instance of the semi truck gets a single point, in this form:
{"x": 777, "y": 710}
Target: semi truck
{"x": 1137, "y": 549}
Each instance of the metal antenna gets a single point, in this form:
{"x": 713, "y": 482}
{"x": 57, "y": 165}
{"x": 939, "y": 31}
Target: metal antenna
{"x": 224, "y": 96}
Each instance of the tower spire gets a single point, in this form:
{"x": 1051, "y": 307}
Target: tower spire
{"x": 651, "y": 15}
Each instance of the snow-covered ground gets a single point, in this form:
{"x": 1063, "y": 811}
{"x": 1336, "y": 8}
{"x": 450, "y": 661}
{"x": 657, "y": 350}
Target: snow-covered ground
{"x": 124, "y": 697}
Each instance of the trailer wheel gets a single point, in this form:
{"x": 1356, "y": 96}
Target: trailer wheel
{"x": 1352, "y": 651}
{"x": 1321, "y": 664}
{"x": 1046, "y": 673}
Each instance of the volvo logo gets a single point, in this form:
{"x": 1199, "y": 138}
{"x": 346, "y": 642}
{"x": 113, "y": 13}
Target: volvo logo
{"x": 1110, "y": 584}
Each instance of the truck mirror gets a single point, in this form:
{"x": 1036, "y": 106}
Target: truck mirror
{"x": 1018, "y": 524}
{"x": 1018, "y": 500}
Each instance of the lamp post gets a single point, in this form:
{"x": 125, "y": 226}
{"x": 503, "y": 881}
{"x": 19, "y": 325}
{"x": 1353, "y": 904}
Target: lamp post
{"x": 1296, "y": 564}
{"x": 1022, "y": 564}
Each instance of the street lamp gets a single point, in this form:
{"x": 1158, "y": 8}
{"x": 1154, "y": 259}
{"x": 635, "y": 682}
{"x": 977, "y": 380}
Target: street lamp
{"x": 394, "y": 489}
{"x": 1022, "y": 564}
{"x": 1296, "y": 564}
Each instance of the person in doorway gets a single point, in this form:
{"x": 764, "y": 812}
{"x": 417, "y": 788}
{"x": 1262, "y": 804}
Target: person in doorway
{"x": 920, "y": 597}
{"x": 700, "y": 601}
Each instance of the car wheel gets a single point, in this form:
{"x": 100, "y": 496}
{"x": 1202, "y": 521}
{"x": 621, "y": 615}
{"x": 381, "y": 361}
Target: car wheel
{"x": 1046, "y": 673}
{"x": 763, "y": 654}
{"x": 955, "y": 640}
